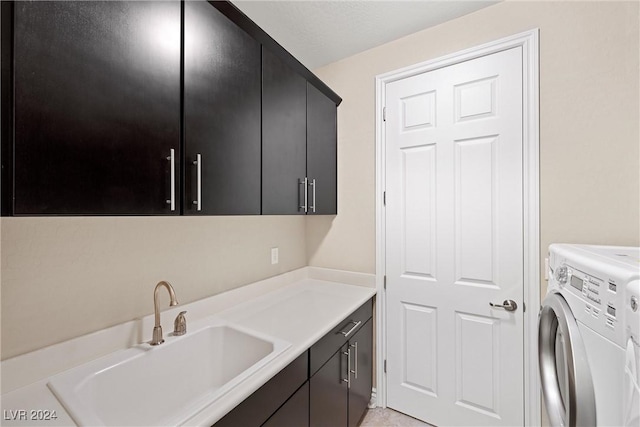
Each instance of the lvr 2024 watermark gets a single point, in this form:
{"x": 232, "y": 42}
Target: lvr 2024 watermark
{"x": 28, "y": 415}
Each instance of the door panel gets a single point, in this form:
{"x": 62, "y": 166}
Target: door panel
{"x": 474, "y": 192}
{"x": 477, "y": 338}
{"x": 361, "y": 346}
{"x": 284, "y": 155}
{"x": 97, "y": 106}
{"x": 329, "y": 393}
{"x": 455, "y": 242}
{"x": 420, "y": 347}
{"x": 295, "y": 412}
{"x": 221, "y": 113}
{"x": 321, "y": 152}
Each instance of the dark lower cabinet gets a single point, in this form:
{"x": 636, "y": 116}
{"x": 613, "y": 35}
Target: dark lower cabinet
{"x": 341, "y": 371}
{"x": 294, "y": 413}
{"x": 322, "y": 387}
{"x": 361, "y": 347}
{"x": 96, "y": 106}
{"x": 341, "y": 389}
{"x": 330, "y": 392}
{"x": 264, "y": 402}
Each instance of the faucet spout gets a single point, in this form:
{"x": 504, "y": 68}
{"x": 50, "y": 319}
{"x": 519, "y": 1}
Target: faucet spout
{"x": 157, "y": 329}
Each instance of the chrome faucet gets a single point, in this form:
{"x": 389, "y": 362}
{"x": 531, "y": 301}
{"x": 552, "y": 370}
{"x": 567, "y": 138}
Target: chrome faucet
{"x": 157, "y": 329}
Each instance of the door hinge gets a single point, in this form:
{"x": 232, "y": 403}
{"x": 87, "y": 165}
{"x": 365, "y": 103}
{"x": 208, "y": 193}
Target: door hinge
{"x": 384, "y": 282}
{"x": 384, "y": 114}
{"x": 384, "y": 198}
{"x": 524, "y": 307}
{"x": 385, "y": 366}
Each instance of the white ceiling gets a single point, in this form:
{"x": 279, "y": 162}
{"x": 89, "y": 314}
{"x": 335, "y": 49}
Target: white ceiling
{"x": 323, "y": 31}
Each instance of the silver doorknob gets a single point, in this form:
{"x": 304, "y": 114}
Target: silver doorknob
{"x": 508, "y": 304}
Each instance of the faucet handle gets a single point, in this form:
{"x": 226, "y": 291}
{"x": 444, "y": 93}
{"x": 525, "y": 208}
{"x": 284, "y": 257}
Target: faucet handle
{"x": 180, "y": 324}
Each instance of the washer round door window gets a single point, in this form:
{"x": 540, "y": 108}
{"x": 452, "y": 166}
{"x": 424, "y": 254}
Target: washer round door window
{"x": 564, "y": 370}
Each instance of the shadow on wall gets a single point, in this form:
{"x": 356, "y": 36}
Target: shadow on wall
{"x": 318, "y": 228}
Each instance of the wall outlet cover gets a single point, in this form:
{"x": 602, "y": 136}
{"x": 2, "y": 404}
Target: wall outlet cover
{"x": 274, "y": 255}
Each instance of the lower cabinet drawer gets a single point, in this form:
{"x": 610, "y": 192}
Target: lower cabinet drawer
{"x": 258, "y": 407}
{"x": 294, "y": 413}
{"x": 321, "y": 351}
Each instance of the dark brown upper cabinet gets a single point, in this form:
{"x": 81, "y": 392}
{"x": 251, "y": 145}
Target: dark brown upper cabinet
{"x": 96, "y": 107}
{"x": 321, "y": 153}
{"x": 221, "y": 114}
{"x": 158, "y": 108}
{"x": 284, "y": 154}
{"x": 299, "y": 140}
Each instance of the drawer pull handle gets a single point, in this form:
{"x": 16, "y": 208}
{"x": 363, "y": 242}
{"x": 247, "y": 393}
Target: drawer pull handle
{"x": 355, "y": 371}
{"x": 313, "y": 198}
{"x": 172, "y": 161}
{"x": 348, "y": 379}
{"x": 304, "y": 182}
{"x": 353, "y": 328}
{"x": 198, "y": 164}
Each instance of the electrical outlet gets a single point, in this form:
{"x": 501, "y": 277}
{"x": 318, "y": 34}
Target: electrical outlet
{"x": 274, "y": 255}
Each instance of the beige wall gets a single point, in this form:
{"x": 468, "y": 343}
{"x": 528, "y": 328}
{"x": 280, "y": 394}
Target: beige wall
{"x": 589, "y": 115}
{"x": 64, "y": 277}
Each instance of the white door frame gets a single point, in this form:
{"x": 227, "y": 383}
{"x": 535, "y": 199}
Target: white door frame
{"x": 531, "y": 193}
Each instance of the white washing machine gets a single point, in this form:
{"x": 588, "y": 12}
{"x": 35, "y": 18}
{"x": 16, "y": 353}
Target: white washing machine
{"x": 581, "y": 333}
{"x": 631, "y": 387}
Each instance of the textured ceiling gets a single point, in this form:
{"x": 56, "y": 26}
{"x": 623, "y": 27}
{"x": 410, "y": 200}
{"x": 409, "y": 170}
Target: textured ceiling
{"x": 320, "y": 32}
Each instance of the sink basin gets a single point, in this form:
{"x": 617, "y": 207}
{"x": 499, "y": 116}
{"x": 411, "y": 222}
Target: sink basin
{"x": 165, "y": 384}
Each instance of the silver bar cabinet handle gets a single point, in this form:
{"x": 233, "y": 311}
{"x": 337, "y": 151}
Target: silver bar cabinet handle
{"x": 313, "y": 197}
{"x": 172, "y": 160}
{"x": 355, "y": 371}
{"x": 348, "y": 379}
{"x": 304, "y": 182}
{"x": 198, "y": 163}
{"x": 355, "y": 325}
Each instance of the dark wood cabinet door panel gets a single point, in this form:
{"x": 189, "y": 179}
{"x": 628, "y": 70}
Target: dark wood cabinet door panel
{"x": 361, "y": 346}
{"x": 329, "y": 393}
{"x": 283, "y": 136}
{"x": 321, "y": 152}
{"x": 258, "y": 407}
{"x": 97, "y": 106}
{"x": 294, "y": 413}
{"x": 222, "y": 73}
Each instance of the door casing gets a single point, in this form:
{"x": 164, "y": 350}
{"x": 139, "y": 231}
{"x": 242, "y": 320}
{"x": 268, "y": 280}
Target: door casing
{"x": 531, "y": 193}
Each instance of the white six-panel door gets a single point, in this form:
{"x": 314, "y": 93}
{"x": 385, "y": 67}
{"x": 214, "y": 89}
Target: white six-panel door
{"x": 454, "y": 242}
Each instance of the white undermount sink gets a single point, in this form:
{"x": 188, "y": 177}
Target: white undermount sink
{"x": 165, "y": 384}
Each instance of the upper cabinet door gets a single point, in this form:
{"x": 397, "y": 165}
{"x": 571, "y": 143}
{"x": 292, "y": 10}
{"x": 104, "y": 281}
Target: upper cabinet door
{"x": 221, "y": 114}
{"x": 97, "y": 107}
{"x": 321, "y": 153}
{"x": 283, "y": 137}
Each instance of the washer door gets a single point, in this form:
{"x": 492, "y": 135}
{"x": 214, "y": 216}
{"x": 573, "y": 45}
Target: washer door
{"x": 567, "y": 386}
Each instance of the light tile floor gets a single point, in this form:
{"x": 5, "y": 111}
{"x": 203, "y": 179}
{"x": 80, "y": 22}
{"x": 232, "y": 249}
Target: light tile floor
{"x": 379, "y": 417}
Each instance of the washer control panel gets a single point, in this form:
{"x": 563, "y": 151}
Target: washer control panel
{"x": 594, "y": 281}
{"x": 598, "y": 297}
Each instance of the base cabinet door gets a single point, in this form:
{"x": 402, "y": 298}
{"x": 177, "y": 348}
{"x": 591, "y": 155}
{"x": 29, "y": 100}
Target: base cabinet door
{"x": 294, "y": 413}
{"x": 329, "y": 392}
{"x": 361, "y": 352}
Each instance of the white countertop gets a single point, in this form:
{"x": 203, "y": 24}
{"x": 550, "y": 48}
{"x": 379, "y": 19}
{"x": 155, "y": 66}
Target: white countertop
{"x": 301, "y": 313}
